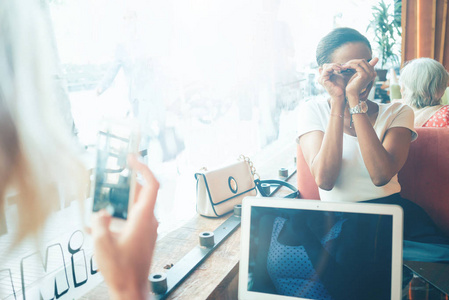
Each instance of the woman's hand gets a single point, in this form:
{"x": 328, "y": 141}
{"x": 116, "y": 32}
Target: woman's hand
{"x": 364, "y": 75}
{"x": 334, "y": 83}
{"x": 124, "y": 258}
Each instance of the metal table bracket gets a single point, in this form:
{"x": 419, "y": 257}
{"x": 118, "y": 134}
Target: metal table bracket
{"x": 186, "y": 265}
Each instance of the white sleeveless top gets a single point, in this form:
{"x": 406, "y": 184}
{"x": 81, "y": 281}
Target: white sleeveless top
{"x": 354, "y": 183}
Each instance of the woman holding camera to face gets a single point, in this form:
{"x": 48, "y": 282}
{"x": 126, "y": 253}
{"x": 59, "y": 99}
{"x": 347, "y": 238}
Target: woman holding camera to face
{"x": 38, "y": 155}
{"x": 355, "y": 147}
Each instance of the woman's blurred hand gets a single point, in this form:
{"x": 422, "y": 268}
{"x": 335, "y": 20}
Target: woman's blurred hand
{"x": 124, "y": 258}
{"x": 334, "y": 83}
{"x": 363, "y": 77}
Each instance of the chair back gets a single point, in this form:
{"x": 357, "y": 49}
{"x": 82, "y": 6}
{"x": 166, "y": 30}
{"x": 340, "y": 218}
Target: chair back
{"x": 425, "y": 176}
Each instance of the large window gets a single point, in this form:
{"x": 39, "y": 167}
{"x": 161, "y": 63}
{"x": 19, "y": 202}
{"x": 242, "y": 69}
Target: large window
{"x": 208, "y": 80}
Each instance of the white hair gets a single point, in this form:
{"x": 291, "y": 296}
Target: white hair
{"x": 37, "y": 152}
{"x": 423, "y": 82}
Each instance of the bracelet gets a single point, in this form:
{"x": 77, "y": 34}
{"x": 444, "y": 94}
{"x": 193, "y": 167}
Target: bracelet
{"x": 335, "y": 115}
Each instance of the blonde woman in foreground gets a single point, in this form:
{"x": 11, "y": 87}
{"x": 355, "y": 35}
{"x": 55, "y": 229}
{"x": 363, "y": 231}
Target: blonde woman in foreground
{"x": 38, "y": 155}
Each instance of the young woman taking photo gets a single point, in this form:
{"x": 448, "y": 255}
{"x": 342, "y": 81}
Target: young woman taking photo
{"x": 355, "y": 147}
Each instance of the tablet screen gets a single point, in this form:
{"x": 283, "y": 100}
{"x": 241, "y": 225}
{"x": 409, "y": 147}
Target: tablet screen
{"x": 317, "y": 254}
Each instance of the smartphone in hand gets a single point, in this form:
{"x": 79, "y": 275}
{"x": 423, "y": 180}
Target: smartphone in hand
{"x": 113, "y": 181}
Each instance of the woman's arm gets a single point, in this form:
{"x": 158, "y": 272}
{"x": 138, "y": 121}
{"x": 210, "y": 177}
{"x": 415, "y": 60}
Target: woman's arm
{"x": 323, "y": 151}
{"x": 383, "y": 159}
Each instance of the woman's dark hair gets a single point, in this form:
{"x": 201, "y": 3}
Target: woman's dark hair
{"x": 334, "y": 40}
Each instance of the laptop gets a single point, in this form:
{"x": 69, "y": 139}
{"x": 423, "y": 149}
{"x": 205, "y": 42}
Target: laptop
{"x": 309, "y": 249}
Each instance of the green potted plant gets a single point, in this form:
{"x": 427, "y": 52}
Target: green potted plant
{"x": 386, "y": 27}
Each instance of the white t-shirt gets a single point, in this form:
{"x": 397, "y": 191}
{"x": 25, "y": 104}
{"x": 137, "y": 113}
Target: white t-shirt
{"x": 354, "y": 183}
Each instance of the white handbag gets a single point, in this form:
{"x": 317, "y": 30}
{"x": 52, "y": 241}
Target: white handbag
{"x": 219, "y": 190}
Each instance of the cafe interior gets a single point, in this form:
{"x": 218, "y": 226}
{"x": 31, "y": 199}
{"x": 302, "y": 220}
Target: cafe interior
{"x": 207, "y": 94}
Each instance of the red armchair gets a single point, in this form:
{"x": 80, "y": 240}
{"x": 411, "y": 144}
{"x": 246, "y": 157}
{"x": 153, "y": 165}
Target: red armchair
{"x": 424, "y": 178}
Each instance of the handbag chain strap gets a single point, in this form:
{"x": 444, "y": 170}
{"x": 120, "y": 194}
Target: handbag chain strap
{"x": 250, "y": 164}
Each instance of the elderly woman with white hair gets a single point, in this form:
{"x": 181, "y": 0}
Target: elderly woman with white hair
{"x": 423, "y": 83}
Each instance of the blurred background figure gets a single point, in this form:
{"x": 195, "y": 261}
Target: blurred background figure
{"x": 423, "y": 84}
{"x": 133, "y": 55}
{"x": 277, "y": 81}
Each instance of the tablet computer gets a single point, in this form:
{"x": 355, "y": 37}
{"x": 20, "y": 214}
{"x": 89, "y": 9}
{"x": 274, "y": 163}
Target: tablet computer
{"x": 309, "y": 249}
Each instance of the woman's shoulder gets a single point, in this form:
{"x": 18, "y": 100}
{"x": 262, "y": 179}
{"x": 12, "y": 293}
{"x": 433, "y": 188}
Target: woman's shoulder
{"x": 393, "y": 113}
{"x": 444, "y": 110}
{"x": 395, "y": 104}
{"x": 394, "y": 107}
{"x": 440, "y": 118}
{"x": 313, "y": 115}
{"x": 396, "y": 115}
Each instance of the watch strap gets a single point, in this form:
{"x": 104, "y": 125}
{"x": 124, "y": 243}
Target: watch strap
{"x": 357, "y": 109}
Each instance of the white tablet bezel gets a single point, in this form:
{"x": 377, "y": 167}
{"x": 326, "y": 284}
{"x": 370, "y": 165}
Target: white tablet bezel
{"x": 356, "y": 207}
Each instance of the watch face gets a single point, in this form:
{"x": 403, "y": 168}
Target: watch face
{"x": 363, "y": 107}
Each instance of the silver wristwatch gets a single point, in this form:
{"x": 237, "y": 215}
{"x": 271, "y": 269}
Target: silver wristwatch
{"x": 360, "y": 108}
